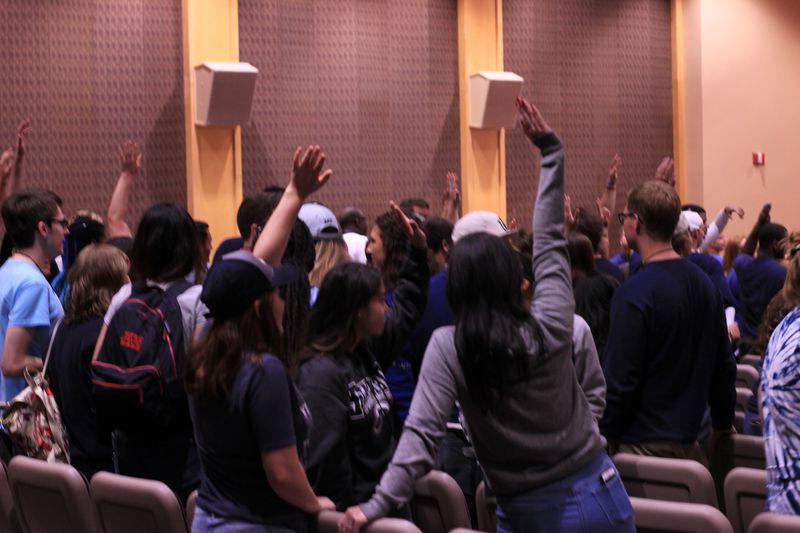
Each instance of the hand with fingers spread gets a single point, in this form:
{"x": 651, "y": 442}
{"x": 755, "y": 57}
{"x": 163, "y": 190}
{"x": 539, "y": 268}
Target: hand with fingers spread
{"x": 533, "y": 123}
{"x": 353, "y": 520}
{"x": 131, "y": 158}
{"x": 613, "y": 171}
{"x": 451, "y": 198}
{"x": 307, "y": 175}
{"x": 415, "y": 234}
{"x": 22, "y": 136}
{"x": 665, "y": 173}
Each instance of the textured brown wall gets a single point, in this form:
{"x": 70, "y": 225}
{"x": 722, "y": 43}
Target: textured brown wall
{"x": 91, "y": 74}
{"x": 374, "y": 83}
{"x": 601, "y": 72}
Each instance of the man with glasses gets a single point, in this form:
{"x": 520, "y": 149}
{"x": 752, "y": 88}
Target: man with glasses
{"x": 667, "y": 355}
{"x": 28, "y": 306}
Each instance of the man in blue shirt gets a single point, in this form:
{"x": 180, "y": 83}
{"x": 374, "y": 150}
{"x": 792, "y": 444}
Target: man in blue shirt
{"x": 667, "y": 356}
{"x": 760, "y": 276}
{"x": 28, "y": 306}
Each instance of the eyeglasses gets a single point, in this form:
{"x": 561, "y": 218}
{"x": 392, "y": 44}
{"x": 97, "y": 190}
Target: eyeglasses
{"x": 622, "y": 216}
{"x": 62, "y": 221}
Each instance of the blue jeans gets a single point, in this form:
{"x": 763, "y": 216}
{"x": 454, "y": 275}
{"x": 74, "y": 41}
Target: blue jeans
{"x": 591, "y": 500}
{"x": 205, "y": 522}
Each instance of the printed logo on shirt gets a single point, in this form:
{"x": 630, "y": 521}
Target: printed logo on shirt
{"x": 370, "y": 399}
{"x": 131, "y": 341}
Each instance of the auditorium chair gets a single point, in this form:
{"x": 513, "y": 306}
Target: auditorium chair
{"x": 486, "y": 509}
{"x": 745, "y": 496}
{"x": 8, "y": 514}
{"x": 746, "y": 376}
{"x": 774, "y": 523}
{"x": 132, "y": 505}
{"x": 438, "y": 503}
{"x": 659, "y": 478}
{"x": 753, "y": 360}
{"x": 328, "y": 522}
{"x": 51, "y": 497}
{"x": 661, "y": 516}
{"x": 743, "y": 395}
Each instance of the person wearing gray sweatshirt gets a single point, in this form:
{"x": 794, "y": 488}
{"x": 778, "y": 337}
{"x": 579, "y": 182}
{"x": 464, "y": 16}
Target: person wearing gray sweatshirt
{"x": 513, "y": 375}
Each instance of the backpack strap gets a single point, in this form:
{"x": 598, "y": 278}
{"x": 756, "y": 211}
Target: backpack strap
{"x": 50, "y": 346}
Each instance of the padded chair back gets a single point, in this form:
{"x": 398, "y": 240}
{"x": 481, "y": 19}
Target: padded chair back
{"x": 486, "y": 509}
{"x": 743, "y": 395}
{"x": 328, "y": 522}
{"x": 51, "y": 497}
{"x": 438, "y": 504}
{"x": 745, "y": 496}
{"x": 748, "y": 451}
{"x": 746, "y": 376}
{"x": 130, "y": 505}
{"x": 8, "y": 515}
{"x": 191, "y": 503}
{"x": 675, "y": 480}
{"x": 753, "y": 360}
{"x": 774, "y": 523}
{"x": 661, "y": 516}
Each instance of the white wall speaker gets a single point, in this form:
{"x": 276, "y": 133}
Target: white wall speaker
{"x": 492, "y": 98}
{"x": 224, "y": 93}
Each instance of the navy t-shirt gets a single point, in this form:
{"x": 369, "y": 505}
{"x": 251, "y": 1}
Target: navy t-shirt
{"x": 759, "y": 279}
{"x": 69, "y": 376}
{"x": 263, "y": 413}
{"x": 667, "y": 356}
{"x": 713, "y": 269}
{"x": 604, "y": 266}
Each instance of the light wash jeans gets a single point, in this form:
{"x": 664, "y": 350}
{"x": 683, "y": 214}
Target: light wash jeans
{"x": 208, "y": 523}
{"x": 590, "y": 500}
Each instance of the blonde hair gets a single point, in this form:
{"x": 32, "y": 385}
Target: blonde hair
{"x": 98, "y": 273}
{"x": 330, "y": 252}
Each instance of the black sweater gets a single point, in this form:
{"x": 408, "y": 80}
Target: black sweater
{"x": 352, "y": 437}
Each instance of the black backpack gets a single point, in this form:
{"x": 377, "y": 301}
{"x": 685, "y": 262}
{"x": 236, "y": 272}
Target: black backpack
{"x": 137, "y": 378}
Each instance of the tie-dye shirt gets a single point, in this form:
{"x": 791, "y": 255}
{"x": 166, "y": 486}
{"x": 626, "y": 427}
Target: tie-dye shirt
{"x": 780, "y": 395}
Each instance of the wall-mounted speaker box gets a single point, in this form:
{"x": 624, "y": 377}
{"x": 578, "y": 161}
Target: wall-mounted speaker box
{"x": 492, "y": 98}
{"x": 224, "y": 93}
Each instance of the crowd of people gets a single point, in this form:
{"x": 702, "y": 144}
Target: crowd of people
{"x": 316, "y": 362}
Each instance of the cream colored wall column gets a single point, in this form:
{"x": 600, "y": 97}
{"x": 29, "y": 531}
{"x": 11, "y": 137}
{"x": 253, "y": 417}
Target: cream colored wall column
{"x": 213, "y": 155}
{"x": 483, "y": 163}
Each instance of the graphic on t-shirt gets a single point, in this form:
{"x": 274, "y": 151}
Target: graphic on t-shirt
{"x": 370, "y": 399}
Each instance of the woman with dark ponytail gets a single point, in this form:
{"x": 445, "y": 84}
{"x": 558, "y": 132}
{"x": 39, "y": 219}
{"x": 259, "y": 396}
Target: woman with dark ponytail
{"x": 511, "y": 371}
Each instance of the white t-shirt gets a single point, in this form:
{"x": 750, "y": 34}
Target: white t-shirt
{"x": 193, "y": 311}
{"x": 356, "y": 246}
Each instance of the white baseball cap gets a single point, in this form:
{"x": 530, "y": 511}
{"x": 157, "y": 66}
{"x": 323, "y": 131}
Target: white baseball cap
{"x": 480, "y": 222}
{"x": 689, "y": 221}
{"x": 320, "y": 221}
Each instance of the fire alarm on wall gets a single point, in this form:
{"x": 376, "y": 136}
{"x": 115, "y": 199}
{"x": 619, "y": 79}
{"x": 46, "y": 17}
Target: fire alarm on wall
{"x": 758, "y": 158}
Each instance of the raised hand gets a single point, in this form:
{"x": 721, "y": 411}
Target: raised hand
{"x": 569, "y": 213}
{"x": 353, "y": 520}
{"x": 130, "y": 158}
{"x": 533, "y": 123}
{"x": 412, "y": 229}
{"x": 602, "y": 211}
{"x": 22, "y": 136}
{"x": 665, "y": 173}
{"x": 307, "y": 175}
{"x": 763, "y": 216}
{"x": 730, "y": 210}
{"x": 452, "y": 193}
{"x": 7, "y": 162}
{"x": 613, "y": 171}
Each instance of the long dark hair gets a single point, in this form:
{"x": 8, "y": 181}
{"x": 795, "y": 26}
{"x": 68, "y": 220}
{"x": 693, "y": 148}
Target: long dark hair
{"x": 166, "y": 247}
{"x": 483, "y": 289}
{"x": 217, "y": 357}
{"x": 346, "y": 289}
{"x": 297, "y": 295}
{"x": 395, "y": 245}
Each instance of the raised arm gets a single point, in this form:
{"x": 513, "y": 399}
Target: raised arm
{"x": 307, "y": 177}
{"x": 609, "y": 199}
{"x": 451, "y": 198}
{"x": 665, "y": 171}
{"x": 749, "y": 247}
{"x": 131, "y": 163}
{"x": 553, "y": 303}
{"x": 718, "y": 225}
